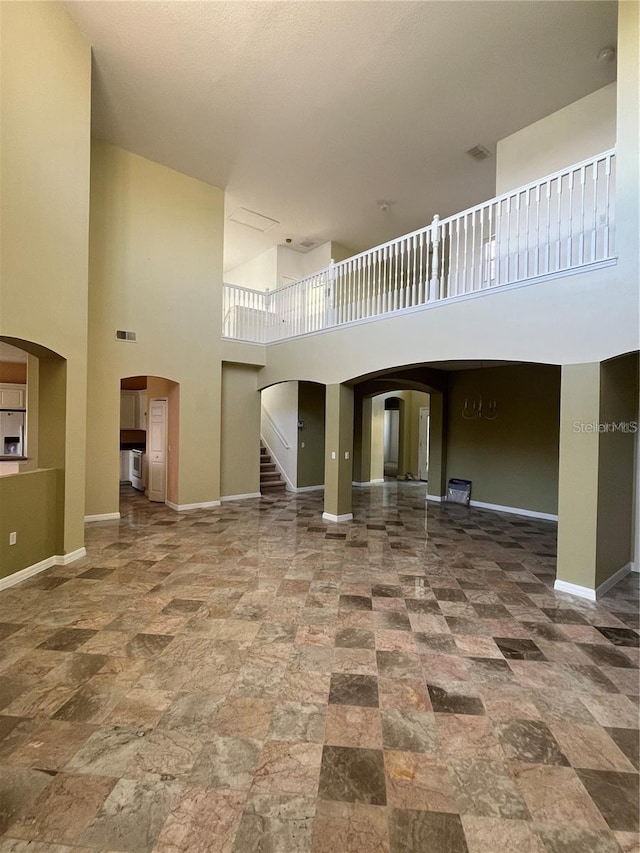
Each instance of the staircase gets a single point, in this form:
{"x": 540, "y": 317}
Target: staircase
{"x": 270, "y": 480}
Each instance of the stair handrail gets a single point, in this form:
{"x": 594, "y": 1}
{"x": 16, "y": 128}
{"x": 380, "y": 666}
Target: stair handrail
{"x": 276, "y": 429}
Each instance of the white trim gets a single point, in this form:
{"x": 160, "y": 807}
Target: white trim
{"x": 36, "y": 568}
{"x": 185, "y": 507}
{"x": 225, "y": 498}
{"x": 330, "y": 517}
{"x": 23, "y": 574}
{"x": 605, "y": 586}
{"x": 65, "y": 559}
{"x": 105, "y": 516}
{"x": 450, "y": 300}
{"x": 513, "y": 510}
{"x": 635, "y": 567}
{"x": 279, "y": 468}
{"x": 308, "y": 488}
{"x": 276, "y": 429}
{"x": 368, "y": 482}
{"x": 575, "y": 589}
{"x": 436, "y": 498}
{"x": 593, "y": 594}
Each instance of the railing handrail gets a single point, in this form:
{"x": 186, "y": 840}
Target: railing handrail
{"x": 531, "y": 185}
{"x": 276, "y": 429}
{"x": 561, "y": 221}
{"x": 244, "y": 289}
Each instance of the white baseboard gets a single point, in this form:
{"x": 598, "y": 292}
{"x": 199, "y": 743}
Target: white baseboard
{"x": 65, "y": 559}
{"x": 605, "y": 586}
{"x": 512, "y": 510}
{"x": 309, "y": 489}
{"x": 105, "y": 516}
{"x": 635, "y": 567}
{"x": 368, "y": 482}
{"x": 435, "y": 498}
{"x": 36, "y": 568}
{"x": 593, "y": 594}
{"x": 575, "y": 589}
{"x": 225, "y": 498}
{"x": 330, "y": 517}
{"x": 185, "y": 507}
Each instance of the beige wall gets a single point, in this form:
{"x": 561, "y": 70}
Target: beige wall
{"x": 311, "y": 410}
{"x": 45, "y": 138}
{"x": 513, "y": 460}
{"x": 581, "y": 130}
{"x": 156, "y": 269}
{"x": 240, "y": 431}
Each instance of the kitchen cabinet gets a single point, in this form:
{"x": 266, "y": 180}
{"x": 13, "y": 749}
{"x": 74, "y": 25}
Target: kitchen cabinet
{"x": 125, "y": 464}
{"x": 133, "y": 410}
{"x": 13, "y": 396}
{"x": 128, "y": 410}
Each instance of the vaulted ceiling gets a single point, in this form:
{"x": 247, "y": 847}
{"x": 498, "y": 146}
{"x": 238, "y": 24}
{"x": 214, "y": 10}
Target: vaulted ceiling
{"x": 312, "y": 112}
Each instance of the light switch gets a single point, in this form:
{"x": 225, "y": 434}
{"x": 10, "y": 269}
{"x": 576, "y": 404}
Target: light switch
{"x": 346, "y": 454}
{"x": 333, "y": 454}
{"x": 302, "y": 444}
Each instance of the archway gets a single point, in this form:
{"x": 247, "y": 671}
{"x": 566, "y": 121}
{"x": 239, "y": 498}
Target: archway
{"x": 149, "y": 438}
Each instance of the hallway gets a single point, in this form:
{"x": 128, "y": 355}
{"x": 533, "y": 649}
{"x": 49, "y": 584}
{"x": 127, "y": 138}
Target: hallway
{"x": 251, "y": 678}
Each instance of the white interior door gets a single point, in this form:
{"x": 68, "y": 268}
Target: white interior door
{"x": 157, "y": 450}
{"x": 423, "y": 445}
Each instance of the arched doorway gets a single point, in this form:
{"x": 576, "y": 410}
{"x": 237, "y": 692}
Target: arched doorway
{"x": 149, "y": 438}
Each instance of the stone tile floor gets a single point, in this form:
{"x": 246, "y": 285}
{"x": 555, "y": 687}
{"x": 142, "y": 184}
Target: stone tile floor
{"x": 250, "y": 678}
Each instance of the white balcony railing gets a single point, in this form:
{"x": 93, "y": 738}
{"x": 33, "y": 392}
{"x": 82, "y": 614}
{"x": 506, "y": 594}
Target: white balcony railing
{"x": 562, "y": 222}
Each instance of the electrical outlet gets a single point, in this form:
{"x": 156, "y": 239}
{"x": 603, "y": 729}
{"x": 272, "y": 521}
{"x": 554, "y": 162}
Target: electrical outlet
{"x": 302, "y": 444}
{"x": 13, "y": 538}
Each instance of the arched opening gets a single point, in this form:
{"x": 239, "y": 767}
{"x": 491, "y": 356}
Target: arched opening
{"x": 149, "y": 440}
{"x": 292, "y": 433}
{"x": 37, "y": 509}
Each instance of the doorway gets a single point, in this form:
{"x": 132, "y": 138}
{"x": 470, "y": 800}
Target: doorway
{"x": 391, "y": 436}
{"x": 423, "y": 444}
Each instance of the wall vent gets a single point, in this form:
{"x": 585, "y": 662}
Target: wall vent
{"x": 121, "y": 335}
{"x": 479, "y": 152}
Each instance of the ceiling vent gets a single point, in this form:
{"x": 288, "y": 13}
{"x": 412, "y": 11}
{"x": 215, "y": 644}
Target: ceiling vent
{"x": 252, "y": 219}
{"x": 479, "y": 152}
{"x": 121, "y": 335}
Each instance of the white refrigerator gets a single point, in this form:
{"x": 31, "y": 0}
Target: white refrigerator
{"x": 12, "y": 434}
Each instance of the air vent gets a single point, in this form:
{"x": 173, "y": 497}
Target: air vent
{"x": 479, "y": 152}
{"x": 308, "y": 244}
{"x": 121, "y": 335}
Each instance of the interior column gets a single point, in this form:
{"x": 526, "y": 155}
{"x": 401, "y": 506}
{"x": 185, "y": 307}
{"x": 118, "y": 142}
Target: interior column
{"x": 598, "y": 424}
{"x": 437, "y": 472}
{"x": 338, "y": 465}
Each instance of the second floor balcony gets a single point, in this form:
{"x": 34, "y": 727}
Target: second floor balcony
{"x": 562, "y": 223}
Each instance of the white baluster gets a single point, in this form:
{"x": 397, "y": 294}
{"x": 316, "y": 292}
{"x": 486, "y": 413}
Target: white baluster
{"x": 594, "y": 233}
{"x": 435, "y": 237}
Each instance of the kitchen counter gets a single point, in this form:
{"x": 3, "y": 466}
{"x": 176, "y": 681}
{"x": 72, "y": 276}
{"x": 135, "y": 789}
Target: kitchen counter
{"x": 11, "y": 457}
{"x": 133, "y": 445}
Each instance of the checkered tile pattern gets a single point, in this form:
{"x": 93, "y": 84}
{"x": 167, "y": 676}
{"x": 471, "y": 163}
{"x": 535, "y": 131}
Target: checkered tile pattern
{"x": 250, "y": 678}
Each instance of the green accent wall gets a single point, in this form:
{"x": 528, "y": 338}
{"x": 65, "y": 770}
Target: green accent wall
{"x": 311, "y": 410}
{"x": 513, "y": 460}
{"x": 31, "y": 507}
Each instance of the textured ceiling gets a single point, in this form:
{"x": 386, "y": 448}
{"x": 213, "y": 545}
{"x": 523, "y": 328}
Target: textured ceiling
{"x": 311, "y": 112}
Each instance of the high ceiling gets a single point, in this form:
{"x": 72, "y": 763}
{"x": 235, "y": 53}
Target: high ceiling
{"x": 312, "y": 112}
